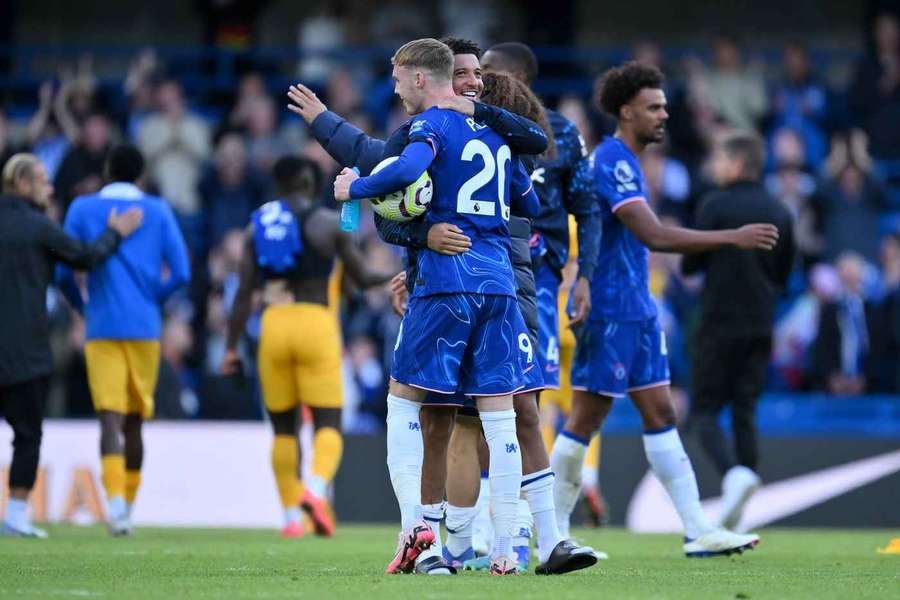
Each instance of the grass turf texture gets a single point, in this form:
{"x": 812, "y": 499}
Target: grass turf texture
{"x": 172, "y": 564}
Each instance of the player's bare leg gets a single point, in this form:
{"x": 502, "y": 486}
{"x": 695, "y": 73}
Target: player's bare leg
{"x": 673, "y": 468}
{"x": 463, "y": 482}
{"x": 134, "y": 459}
{"x": 437, "y": 423}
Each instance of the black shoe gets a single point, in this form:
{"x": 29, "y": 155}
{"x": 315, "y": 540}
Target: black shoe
{"x": 565, "y": 558}
{"x": 434, "y": 563}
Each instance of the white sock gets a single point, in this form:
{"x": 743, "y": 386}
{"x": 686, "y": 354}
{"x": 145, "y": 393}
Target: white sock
{"x": 566, "y": 461}
{"x": 433, "y": 515}
{"x": 459, "y": 528}
{"x": 117, "y": 508}
{"x": 589, "y": 477}
{"x": 505, "y": 475}
{"x": 17, "y": 513}
{"x": 404, "y": 457}
{"x": 483, "y": 528}
{"x": 537, "y": 488}
{"x": 316, "y": 485}
{"x": 673, "y": 468}
{"x": 292, "y": 515}
{"x": 523, "y": 525}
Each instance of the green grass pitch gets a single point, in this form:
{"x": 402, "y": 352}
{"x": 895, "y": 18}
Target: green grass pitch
{"x": 172, "y": 564}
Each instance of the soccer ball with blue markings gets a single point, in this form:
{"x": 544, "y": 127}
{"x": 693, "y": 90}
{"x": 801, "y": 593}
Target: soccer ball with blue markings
{"x": 407, "y": 204}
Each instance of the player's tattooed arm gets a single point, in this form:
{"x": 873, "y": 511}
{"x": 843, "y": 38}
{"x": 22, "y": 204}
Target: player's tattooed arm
{"x": 241, "y": 308}
{"x": 409, "y": 234}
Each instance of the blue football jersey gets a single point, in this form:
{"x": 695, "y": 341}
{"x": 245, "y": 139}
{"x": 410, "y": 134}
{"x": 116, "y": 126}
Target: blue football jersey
{"x": 474, "y": 175}
{"x": 620, "y": 288}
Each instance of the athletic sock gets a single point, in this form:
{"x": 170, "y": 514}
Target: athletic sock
{"x": 565, "y": 462}
{"x": 589, "y": 471}
{"x": 505, "y": 475}
{"x": 483, "y": 528}
{"x": 17, "y": 513}
{"x": 523, "y": 525}
{"x": 132, "y": 483}
{"x": 433, "y": 514}
{"x": 113, "y": 467}
{"x": 404, "y": 457}
{"x": 285, "y": 461}
{"x": 673, "y": 468}
{"x": 292, "y": 514}
{"x": 459, "y": 523}
{"x": 537, "y": 488}
{"x": 328, "y": 447}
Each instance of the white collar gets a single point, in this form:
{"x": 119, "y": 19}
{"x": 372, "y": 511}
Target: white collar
{"x": 122, "y": 191}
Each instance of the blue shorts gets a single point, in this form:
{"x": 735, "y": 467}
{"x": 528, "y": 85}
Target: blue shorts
{"x": 613, "y": 358}
{"x": 547, "y": 284}
{"x": 475, "y": 344}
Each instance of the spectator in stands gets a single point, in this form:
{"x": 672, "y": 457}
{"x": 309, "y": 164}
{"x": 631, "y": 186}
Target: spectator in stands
{"x": 175, "y": 397}
{"x": 231, "y": 189}
{"x": 251, "y": 88}
{"x": 175, "y": 143}
{"x": 842, "y": 359}
{"x": 320, "y": 34}
{"x": 48, "y": 140}
{"x": 886, "y": 343}
{"x": 796, "y": 331}
{"x": 800, "y": 102}
{"x": 796, "y": 187}
{"x": 852, "y": 199}
{"x": 875, "y": 92}
{"x": 81, "y": 171}
{"x": 736, "y": 92}
{"x": 266, "y": 141}
{"x": 139, "y": 88}
{"x": 7, "y": 147}
{"x": 370, "y": 383}
{"x": 668, "y": 182}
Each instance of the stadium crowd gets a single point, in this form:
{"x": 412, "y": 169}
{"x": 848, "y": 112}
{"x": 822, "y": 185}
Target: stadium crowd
{"x": 834, "y": 160}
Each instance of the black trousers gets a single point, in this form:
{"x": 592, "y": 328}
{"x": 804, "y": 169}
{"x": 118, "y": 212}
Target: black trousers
{"x": 728, "y": 371}
{"x": 23, "y": 406}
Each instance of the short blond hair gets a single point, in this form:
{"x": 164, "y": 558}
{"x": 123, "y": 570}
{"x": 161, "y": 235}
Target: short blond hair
{"x": 18, "y": 166}
{"x": 427, "y": 54}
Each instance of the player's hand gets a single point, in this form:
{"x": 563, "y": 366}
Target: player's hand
{"x": 231, "y": 363}
{"x": 305, "y": 103}
{"x": 399, "y": 293}
{"x": 125, "y": 223}
{"x": 342, "y": 184}
{"x": 446, "y": 238}
{"x": 759, "y": 236}
{"x": 459, "y": 104}
{"x": 581, "y": 302}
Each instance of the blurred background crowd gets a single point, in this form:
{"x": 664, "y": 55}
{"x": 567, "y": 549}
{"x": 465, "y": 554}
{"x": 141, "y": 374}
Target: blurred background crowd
{"x": 211, "y": 120}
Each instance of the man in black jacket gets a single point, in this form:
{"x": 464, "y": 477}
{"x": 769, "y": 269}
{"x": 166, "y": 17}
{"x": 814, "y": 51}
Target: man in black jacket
{"x": 734, "y": 338}
{"x": 30, "y": 244}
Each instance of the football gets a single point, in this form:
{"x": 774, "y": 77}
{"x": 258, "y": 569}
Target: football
{"x": 406, "y": 204}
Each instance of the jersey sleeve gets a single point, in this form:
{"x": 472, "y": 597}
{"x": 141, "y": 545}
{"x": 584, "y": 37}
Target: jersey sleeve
{"x": 524, "y": 201}
{"x": 617, "y": 181}
{"x": 431, "y": 128}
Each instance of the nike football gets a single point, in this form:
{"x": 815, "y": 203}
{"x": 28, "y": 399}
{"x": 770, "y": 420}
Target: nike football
{"x": 406, "y": 204}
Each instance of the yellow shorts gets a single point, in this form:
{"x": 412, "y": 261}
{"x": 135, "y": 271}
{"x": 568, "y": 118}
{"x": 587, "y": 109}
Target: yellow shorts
{"x": 122, "y": 375}
{"x": 563, "y": 396}
{"x": 300, "y": 357}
